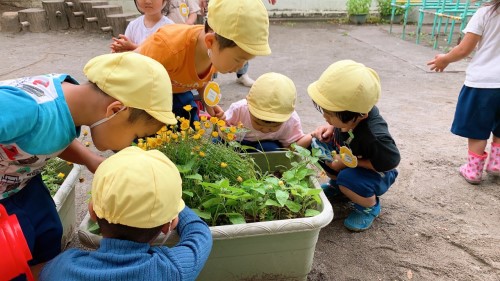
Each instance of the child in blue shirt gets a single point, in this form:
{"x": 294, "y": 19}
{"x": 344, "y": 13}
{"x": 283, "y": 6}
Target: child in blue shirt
{"x": 365, "y": 155}
{"x": 41, "y": 118}
{"x": 136, "y": 195}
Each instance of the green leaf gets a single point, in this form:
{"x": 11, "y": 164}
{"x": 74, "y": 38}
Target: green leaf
{"x": 186, "y": 167}
{"x": 194, "y": 177}
{"x": 236, "y": 218}
{"x": 188, "y": 193}
{"x": 314, "y": 191}
{"x": 211, "y": 202}
{"x": 94, "y": 227}
{"x": 282, "y": 197}
{"x": 202, "y": 214}
{"x": 294, "y": 207}
{"x": 271, "y": 202}
{"x": 260, "y": 190}
{"x": 312, "y": 213}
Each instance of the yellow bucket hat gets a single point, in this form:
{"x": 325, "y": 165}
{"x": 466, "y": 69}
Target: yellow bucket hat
{"x": 135, "y": 80}
{"x": 137, "y": 188}
{"x": 346, "y": 85}
{"x": 245, "y": 22}
{"x": 272, "y": 97}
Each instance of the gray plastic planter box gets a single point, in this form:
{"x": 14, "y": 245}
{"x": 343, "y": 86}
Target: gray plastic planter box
{"x": 272, "y": 250}
{"x": 65, "y": 203}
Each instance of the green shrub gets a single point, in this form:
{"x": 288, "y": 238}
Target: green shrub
{"x": 385, "y": 9}
{"x": 358, "y": 7}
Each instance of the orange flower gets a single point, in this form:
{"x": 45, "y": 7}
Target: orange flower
{"x": 185, "y": 125}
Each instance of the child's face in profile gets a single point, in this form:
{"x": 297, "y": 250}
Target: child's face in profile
{"x": 265, "y": 126}
{"x": 118, "y": 133}
{"x": 229, "y": 59}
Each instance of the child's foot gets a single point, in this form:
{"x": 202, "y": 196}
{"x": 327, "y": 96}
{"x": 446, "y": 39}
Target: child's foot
{"x": 330, "y": 189}
{"x": 361, "y": 218}
{"x": 245, "y": 80}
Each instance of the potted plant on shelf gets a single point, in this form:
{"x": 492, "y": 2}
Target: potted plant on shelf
{"x": 60, "y": 177}
{"x": 358, "y": 10}
{"x": 385, "y": 11}
{"x": 265, "y": 209}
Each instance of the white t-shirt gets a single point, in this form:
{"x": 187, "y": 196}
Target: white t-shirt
{"x": 484, "y": 69}
{"x": 289, "y": 132}
{"x": 179, "y": 10}
{"x": 137, "y": 32}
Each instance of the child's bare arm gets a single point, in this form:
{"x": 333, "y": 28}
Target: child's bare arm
{"x": 76, "y": 152}
{"x": 305, "y": 141}
{"x": 462, "y": 50}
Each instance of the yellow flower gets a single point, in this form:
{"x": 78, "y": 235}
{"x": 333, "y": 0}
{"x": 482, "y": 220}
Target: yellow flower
{"x": 230, "y": 136}
{"x": 85, "y": 132}
{"x": 223, "y": 164}
{"x": 141, "y": 140}
{"x": 196, "y": 136}
{"x": 207, "y": 125}
{"x": 60, "y": 175}
{"x": 87, "y": 144}
{"x": 223, "y": 128}
{"x": 185, "y": 125}
{"x": 215, "y": 134}
{"x": 163, "y": 129}
{"x": 202, "y": 154}
{"x": 214, "y": 120}
{"x": 201, "y": 131}
{"x": 281, "y": 183}
{"x": 239, "y": 179}
{"x": 240, "y": 125}
{"x": 232, "y": 129}
{"x": 188, "y": 107}
{"x": 221, "y": 123}
{"x": 197, "y": 127}
{"x": 174, "y": 136}
{"x": 203, "y": 118}
{"x": 142, "y": 146}
{"x": 197, "y": 123}
{"x": 69, "y": 163}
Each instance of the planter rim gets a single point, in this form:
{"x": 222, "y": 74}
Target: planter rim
{"x": 65, "y": 188}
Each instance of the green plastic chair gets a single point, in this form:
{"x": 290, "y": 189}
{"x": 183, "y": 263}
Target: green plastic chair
{"x": 405, "y": 5}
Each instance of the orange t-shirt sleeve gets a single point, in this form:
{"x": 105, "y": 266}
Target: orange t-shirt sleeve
{"x": 157, "y": 48}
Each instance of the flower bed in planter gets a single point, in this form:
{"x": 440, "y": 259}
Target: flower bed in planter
{"x": 266, "y": 250}
{"x": 64, "y": 197}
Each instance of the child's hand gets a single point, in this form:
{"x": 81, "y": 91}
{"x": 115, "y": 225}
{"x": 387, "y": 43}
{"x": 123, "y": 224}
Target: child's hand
{"x": 323, "y": 133}
{"x": 216, "y": 111}
{"x": 439, "y": 63}
{"x": 121, "y": 44}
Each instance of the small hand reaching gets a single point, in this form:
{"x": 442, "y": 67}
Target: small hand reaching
{"x": 439, "y": 63}
{"x": 122, "y": 44}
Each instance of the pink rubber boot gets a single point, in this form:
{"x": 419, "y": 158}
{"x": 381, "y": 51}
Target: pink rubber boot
{"x": 493, "y": 166}
{"x": 473, "y": 170}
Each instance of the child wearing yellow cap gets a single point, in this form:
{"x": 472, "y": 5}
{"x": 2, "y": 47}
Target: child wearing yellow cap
{"x": 234, "y": 32}
{"x": 128, "y": 95}
{"x": 269, "y": 113}
{"x": 136, "y": 195}
{"x": 365, "y": 155}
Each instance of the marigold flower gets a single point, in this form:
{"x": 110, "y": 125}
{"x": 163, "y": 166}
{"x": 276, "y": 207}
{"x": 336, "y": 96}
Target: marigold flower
{"x": 215, "y": 134}
{"x": 201, "y": 131}
{"x": 185, "y": 125}
{"x": 203, "y": 118}
{"x": 239, "y": 179}
{"x": 232, "y": 129}
{"x": 230, "y": 136}
{"x": 174, "y": 136}
{"x": 214, "y": 120}
{"x": 207, "y": 124}
{"x": 60, "y": 175}
{"x": 223, "y": 128}
{"x": 223, "y": 164}
{"x": 196, "y": 136}
{"x": 163, "y": 129}
{"x": 221, "y": 123}
{"x": 202, "y": 154}
{"x": 197, "y": 123}
{"x": 187, "y": 107}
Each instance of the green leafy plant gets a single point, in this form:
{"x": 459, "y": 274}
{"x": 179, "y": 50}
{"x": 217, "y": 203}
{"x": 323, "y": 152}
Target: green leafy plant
{"x": 53, "y": 174}
{"x": 223, "y": 184}
{"x": 385, "y": 8}
{"x": 358, "y": 7}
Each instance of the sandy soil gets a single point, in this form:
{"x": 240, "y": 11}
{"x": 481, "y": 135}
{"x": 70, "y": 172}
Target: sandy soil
{"x": 433, "y": 225}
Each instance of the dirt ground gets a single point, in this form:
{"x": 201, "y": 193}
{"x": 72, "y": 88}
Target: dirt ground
{"x": 433, "y": 225}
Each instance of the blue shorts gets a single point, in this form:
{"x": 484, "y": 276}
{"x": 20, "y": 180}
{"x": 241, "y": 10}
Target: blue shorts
{"x": 477, "y": 114}
{"x": 364, "y": 182}
{"x": 36, "y": 211}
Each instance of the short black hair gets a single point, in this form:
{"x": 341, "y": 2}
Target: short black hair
{"x": 346, "y": 116}
{"x": 125, "y": 232}
{"x": 223, "y": 41}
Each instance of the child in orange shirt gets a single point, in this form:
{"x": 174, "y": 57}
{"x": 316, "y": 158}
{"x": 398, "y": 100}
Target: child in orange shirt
{"x": 235, "y": 32}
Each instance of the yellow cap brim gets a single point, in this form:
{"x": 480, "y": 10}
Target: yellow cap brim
{"x": 255, "y": 50}
{"x": 320, "y": 99}
{"x": 267, "y": 116}
{"x": 164, "y": 117}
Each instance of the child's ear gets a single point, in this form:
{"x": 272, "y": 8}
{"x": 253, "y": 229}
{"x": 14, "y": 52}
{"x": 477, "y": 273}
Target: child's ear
{"x": 209, "y": 40}
{"x": 165, "y": 228}
{"x": 113, "y": 108}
